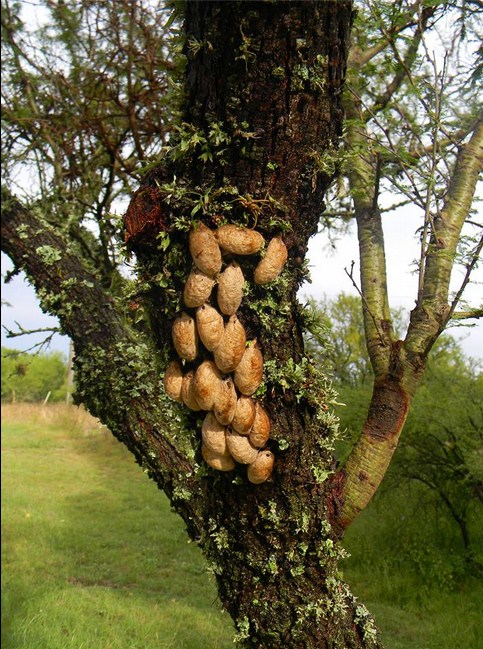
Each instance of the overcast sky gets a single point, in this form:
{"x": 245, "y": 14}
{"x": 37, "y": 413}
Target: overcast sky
{"x": 328, "y": 278}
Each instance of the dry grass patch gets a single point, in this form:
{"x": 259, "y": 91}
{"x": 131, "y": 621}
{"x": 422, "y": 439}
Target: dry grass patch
{"x": 70, "y": 418}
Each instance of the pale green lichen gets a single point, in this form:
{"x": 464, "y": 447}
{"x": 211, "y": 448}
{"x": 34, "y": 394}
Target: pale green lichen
{"x": 303, "y": 525}
{"x": 272, "y": 565}
{"x": 22, "y": 231}
{"x": 48, "y": 254}
{"x": 181, "y": 493}
{"x": 221, "y": 539}
{"x": 365, "y": 622}
{"x": 320, "y": 474}
{"x": 243, "y": 630}
{"x": 269, "y": 512}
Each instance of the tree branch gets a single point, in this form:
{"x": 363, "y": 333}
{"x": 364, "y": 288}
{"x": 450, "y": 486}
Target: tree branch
{"x": 116, "y": 372}
{"x": 362, "y": 180}
{"x": 405, "y": 64}
{"x": 23, "y": 332}
{"x": 26, "y": 332}
{"x": 467, "y": 315}
{"x": 432, "y": 313}
{"x": 469, "y": 268}
{"x": 362, "y": 57}
{"x": 350, "y": 275}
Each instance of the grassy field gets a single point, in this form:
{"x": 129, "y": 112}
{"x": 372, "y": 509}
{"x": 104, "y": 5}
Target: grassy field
{"x": 408, "y": 567}
{"x": 93, "y": 558}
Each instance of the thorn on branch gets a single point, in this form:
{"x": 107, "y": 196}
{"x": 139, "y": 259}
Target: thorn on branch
{"x": 10, "y": 274}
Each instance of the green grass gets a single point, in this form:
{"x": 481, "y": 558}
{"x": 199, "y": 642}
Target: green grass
{"x": 93, "y": 557}
{"x": 407, "y": 566}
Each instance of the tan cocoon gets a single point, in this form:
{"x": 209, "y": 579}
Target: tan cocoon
{"x": 230, "y": 349}
{"x": 239, "y": 241}
{"x": 225, "y": 402}
{"x": 173, "y": 380}
{"x": 213, "y": 435}
{"x": 240, "y": 448}
{"x": 249, "y": 371}
{"x": 185, "y": 337}
{"x": 261, "y": 469}
{"x": 244, "y": 415}
{"x": 187, "y": 392}
{"x": 270, "y": 267}
{"x": 205, "y": 250}
{"x": 218, "y": 461}
{"x": 260, "y": 432}
{"x": 197, "y": 289}
{"x": 230, "y": 289}
{"x": 206, "y": 384}
{"x": 210, "y": 326}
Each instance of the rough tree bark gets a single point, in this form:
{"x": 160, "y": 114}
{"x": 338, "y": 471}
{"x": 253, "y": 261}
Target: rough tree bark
{"x": 262, "y": 117}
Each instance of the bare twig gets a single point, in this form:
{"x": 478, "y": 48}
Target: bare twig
{"x": 469, "y": 268}
{"x": 25, "y": 332}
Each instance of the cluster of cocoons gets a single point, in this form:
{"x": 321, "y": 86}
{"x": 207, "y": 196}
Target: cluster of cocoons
{"x": 236, "y": 428}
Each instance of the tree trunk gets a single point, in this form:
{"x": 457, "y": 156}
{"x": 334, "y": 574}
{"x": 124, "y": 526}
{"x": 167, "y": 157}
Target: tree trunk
{"x": 262, "y": 120}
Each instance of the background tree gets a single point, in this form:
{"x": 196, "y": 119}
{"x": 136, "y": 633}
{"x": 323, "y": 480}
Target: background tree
{"x": 442, "y": 435}
{"x": 398, "y": 93}
{"x": 33, "y": 377}
{"x": 441, "y": 447}
{"x": 256, "y": 144}
{"x": 87, "y": 104}
{"x": 336, "y": 339}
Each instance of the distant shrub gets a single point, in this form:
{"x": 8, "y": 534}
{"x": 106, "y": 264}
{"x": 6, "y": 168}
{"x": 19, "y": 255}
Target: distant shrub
{"x": 31, "y": 377}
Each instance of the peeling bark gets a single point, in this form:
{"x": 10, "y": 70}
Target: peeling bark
{"x": 372, "y": 454}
